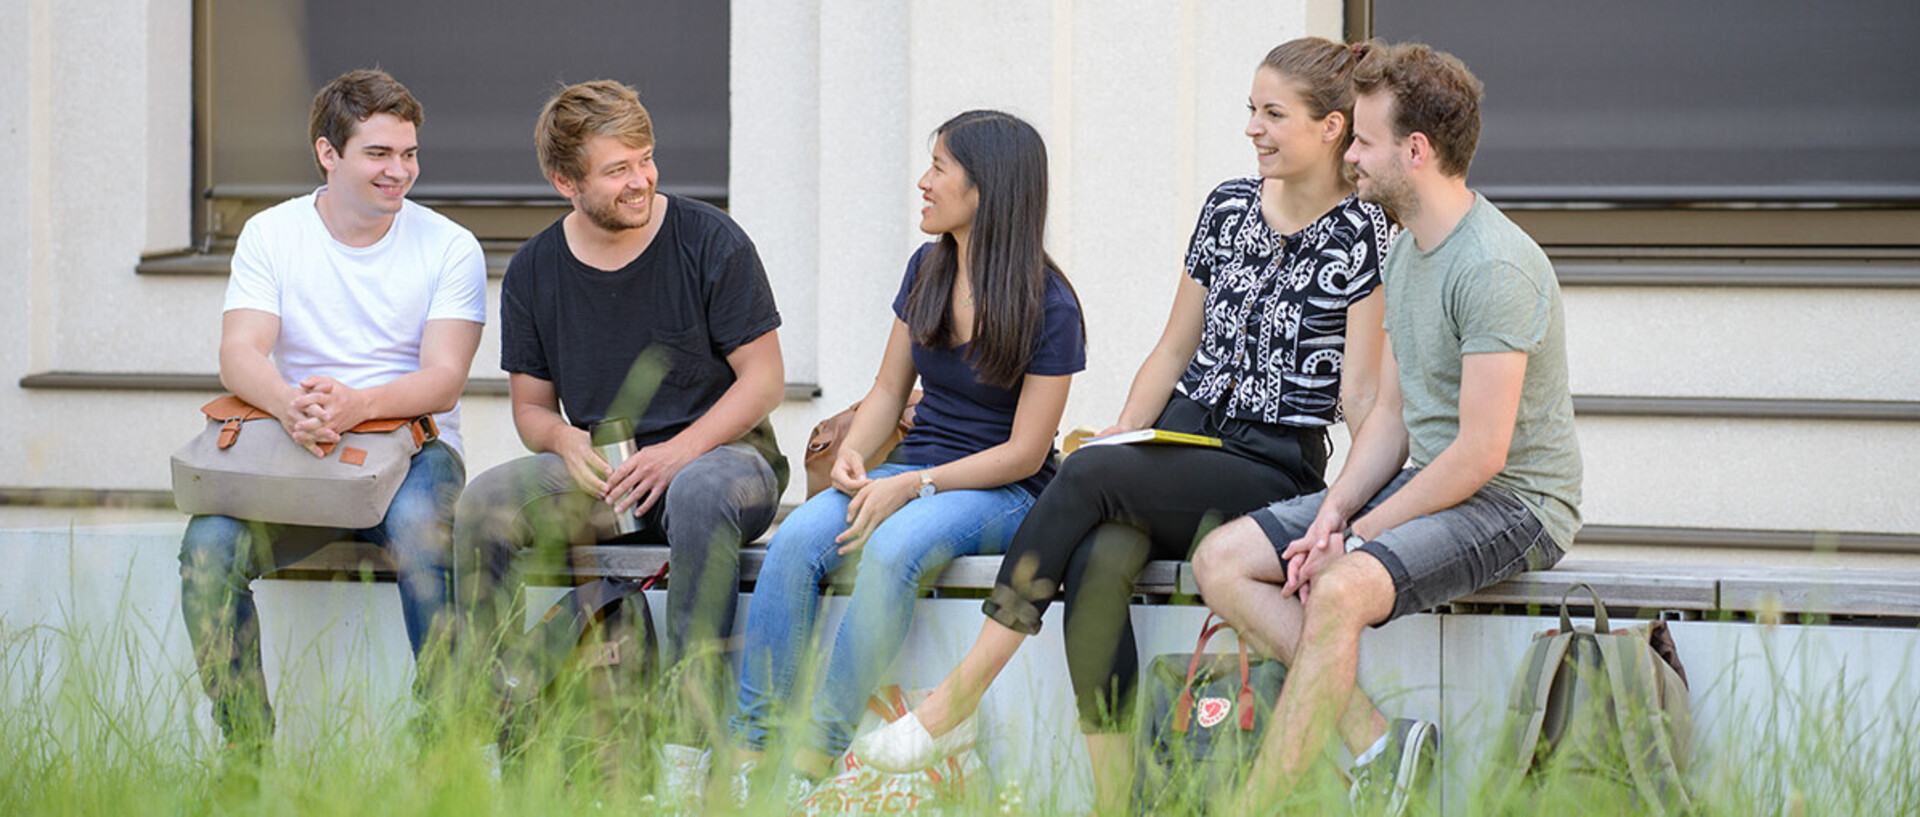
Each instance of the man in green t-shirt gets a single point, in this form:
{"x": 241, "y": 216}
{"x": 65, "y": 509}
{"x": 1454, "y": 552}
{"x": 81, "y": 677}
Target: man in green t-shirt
{"x": 1466, "y": 472}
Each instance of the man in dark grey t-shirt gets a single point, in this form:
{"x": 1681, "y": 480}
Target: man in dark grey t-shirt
{"x": 655, "y": 310}
{"x": 1466, "y": 472}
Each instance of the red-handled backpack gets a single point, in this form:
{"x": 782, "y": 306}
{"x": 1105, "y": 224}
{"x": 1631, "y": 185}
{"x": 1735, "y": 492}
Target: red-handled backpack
{"x": 1201, "y": 723}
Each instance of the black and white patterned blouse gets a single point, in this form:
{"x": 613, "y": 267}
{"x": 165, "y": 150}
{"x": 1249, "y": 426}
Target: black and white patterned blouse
{"x": 1276, "y": 306}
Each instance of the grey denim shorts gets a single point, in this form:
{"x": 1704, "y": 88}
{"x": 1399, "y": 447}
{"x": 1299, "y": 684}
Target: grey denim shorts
{"x": 1439, "y": 557}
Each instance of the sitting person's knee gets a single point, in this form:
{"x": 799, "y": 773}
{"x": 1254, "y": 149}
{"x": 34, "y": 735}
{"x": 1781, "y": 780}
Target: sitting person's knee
{"x": 213, "y": 543}
{"x": 1222, "y": 554}
{"x": 1355, "y": 587}
{"x": 493, "y": 497}
{"x": 891, "y": 558}
{"x": 718, "y": 484}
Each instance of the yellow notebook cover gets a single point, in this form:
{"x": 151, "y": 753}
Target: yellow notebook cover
{"x": 1085, "y": 436}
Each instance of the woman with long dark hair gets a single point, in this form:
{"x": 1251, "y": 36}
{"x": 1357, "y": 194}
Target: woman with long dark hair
{"x": 989, "y": 326}
{"x": 1275, "y": 329}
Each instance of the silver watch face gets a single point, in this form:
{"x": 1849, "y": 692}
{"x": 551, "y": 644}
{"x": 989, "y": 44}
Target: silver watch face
{"x": 1354, "y": 542}
{"x": 926, "y": 490}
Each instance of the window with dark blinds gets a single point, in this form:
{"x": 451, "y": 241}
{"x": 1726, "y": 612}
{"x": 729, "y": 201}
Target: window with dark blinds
{"x": 481, "y": 69}
{"x": 1764, "y": 101}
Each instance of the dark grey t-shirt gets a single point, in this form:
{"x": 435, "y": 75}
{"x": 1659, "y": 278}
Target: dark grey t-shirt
{"x": 648, "y": 341}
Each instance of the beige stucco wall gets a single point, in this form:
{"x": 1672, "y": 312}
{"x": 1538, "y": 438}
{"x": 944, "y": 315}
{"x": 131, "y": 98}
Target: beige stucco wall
{"x": 1141, "y": 103}
{"x": 96, "y": 100}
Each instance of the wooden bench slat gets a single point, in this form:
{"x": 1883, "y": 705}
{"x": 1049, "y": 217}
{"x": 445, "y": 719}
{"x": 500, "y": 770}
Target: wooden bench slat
{"x": 1624, "y": 586}
{"x": 1627, "y": 585}
{"x": 598, "y": 561}
{"x": 1832, "y": 591}
{"x": 1548, "y": 588}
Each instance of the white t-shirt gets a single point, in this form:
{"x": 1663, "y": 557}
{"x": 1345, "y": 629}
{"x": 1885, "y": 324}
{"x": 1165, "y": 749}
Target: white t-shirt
{"x": 356, "y": 314}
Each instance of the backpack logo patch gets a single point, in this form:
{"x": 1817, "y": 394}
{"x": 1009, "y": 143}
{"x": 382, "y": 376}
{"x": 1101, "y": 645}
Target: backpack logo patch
{"x": 1213, "y": 711}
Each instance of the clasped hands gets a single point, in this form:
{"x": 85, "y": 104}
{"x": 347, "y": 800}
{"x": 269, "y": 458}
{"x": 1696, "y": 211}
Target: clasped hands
{"x": 320, "y": 410}
{"x": 1324, "y": 541}
{"x": 873, "y": 499}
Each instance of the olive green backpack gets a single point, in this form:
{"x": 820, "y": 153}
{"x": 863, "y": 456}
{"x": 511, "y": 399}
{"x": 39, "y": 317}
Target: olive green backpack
{"x": 1601, "y": 708}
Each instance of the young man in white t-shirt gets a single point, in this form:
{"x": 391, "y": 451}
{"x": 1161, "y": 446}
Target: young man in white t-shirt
{"x": 345, "y": 305}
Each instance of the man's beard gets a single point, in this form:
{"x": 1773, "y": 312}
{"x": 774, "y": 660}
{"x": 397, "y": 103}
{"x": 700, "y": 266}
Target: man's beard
{"x": 1394, "y": 195}
{"x": 607, "y": 216}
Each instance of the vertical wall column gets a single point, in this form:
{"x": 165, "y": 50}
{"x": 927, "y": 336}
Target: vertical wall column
{"x": 1141, "y": 103}
{"x": 866, "y": 187}
{"x": 773, "y": 153}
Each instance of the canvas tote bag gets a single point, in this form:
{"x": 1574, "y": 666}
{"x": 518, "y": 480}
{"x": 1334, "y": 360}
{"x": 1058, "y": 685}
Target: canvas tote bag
{"x": 245, "y": 466}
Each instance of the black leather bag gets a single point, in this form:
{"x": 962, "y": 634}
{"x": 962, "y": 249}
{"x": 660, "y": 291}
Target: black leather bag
{"x": 1202, "y": 721}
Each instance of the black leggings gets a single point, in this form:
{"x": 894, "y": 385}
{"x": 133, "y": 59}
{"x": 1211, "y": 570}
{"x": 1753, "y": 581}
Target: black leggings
{"x": 1108, "y": 512}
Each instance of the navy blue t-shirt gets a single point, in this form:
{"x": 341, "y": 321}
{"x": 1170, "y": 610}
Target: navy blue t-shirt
{"x": 959, "y": 415}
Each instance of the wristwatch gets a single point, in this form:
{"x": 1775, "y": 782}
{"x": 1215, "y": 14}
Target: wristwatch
{"x": 1354, "y": 541}
{"x": 926, "y": 484}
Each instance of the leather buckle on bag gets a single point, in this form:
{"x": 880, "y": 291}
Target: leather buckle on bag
{"x": 425, "y": 430}
{"x": 229, "y": 431}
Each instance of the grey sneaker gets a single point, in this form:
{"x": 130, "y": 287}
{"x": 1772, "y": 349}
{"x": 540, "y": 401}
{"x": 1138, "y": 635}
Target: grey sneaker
{"x": 1394, "y": 770}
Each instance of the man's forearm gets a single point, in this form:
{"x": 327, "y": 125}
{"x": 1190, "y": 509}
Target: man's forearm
{"x": 1377, "y": 455}
{"x": 739, "y": 409}
{"x": 539, "y": 427}
{"x": 427, "y": 391}
{"x": 1490, "y": 387}
{"x": 1449, "y": 480}
{"x": 446, "y": 355}
{"x": 252, "y": 377}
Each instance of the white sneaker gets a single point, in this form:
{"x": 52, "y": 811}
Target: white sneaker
{"x": 798, "y": 788}
{"x": 906, "y": 746}
{"x": 741, "y": 787}
{"x": 489, "y": 754}
{"x": 683, "y": 772}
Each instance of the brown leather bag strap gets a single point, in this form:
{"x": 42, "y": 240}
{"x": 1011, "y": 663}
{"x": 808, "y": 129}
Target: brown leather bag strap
{"x": 425, "y": 430}
{"x": 231, "y": 411}
{"x": 229, "y": 432}
{"x": 231, "y": 407}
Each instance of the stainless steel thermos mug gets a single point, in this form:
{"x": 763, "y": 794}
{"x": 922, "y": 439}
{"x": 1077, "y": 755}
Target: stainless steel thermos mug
{"x": 613, "y": 438}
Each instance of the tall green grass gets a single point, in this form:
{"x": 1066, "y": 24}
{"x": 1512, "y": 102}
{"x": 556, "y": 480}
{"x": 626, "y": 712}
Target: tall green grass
{"x": 88, "y": 726}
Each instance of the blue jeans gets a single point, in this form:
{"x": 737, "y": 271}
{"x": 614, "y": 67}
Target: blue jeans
{"x": 221, "y": 556}
{"x": 913, "y": 544}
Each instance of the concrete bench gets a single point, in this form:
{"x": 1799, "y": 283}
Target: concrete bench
{"x": 1689, "y": 589}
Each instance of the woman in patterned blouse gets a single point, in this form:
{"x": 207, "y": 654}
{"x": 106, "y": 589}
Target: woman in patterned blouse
{"x": 1281, "y": 286}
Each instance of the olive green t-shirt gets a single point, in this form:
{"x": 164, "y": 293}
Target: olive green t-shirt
{"x": 1487, "y": 288}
